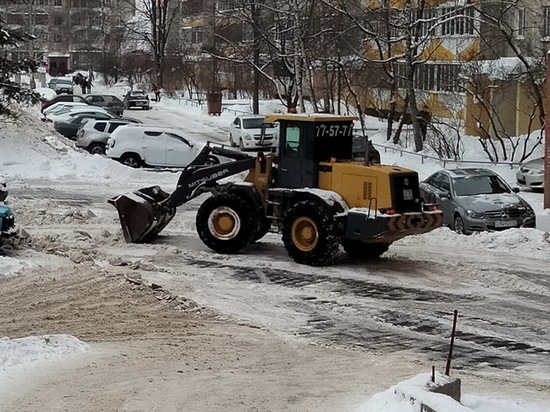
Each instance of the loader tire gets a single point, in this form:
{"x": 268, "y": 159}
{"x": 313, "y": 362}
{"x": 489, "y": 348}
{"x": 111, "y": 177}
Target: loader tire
{"x": 309, "y": 234}
{"x": 226, "y": 222}
{"x": 365, "y": 251}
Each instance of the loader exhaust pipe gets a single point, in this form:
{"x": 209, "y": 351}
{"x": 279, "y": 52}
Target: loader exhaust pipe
{"x": 143, "y": 213}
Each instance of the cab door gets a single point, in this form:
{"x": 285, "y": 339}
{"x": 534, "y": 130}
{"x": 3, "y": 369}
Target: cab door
{"x": 296, "y": 168}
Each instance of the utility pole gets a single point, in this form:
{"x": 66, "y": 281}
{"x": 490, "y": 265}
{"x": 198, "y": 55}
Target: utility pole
{"x": 546, "y": 138}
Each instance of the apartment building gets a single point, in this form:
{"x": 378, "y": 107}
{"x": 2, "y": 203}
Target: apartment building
{"x": 69, "y": 34}
{"x": 479, "y": 61}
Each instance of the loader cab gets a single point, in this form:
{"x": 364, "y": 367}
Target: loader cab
{"x": 305, "y": 140}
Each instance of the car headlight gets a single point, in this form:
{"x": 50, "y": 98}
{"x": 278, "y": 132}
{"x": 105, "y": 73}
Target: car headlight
{"x": 538, "y": 171}
{"x": 474, "y": 214}
{"x": 247, "y": 136}
{"x": 529, "y": 211}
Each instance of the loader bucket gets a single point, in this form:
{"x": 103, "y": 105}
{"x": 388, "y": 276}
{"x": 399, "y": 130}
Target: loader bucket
{"x": 143, "y": 214}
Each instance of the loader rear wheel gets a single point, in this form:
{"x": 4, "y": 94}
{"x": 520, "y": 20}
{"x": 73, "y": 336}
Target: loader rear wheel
{"x": 362, "y": 250}
{"x": 309, "y": 234}
{"x": 226, "y": 222}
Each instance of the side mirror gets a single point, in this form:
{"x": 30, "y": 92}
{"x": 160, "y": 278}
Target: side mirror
{"x": 515, "y": 189}
{"x": 444, "y": 194}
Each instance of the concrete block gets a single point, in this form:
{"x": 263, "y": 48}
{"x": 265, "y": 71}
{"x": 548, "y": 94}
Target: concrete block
{"x": 451, "y": 389}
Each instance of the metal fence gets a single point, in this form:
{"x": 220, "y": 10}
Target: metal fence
{"x": 445, "y": 162}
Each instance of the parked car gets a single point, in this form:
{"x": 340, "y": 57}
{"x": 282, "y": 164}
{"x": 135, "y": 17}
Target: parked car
{"x": 70, "y": 127}
{"x": 7, "y": 225}
{"x": 65, "y": 116}
{"x": 73, "y": 98}
{"x": 60, "y": 107}
{"x": 107, "y": 101}
{"x": 138, "y": 145}
{"x": 245, "y": 132}
{"x": 137, "y": 98}
{"x": 93, "y": 135}
{"x": 3, "y": 190}
{"x": 531, "y": 174}
{"x": 61, "y": 85}
{"x": 474, "y": 200}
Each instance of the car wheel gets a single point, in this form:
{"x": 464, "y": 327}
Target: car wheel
{"x": 309, "y": 234}
{"x": 131, "y": 160}
{"x": 231, "y": 142}
{"x": 459, "y": 225}
{"x": 226, "y": 222}
{"x": 97, "y": 148}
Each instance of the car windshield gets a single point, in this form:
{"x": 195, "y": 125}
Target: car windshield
{"x": 111, "y": 99}
{"x": 64, "y": 81}
{"x": 479, "y": 185}
{"x": 255, "y": 123}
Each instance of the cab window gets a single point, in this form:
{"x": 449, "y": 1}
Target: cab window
{"x": 292, "y": 145}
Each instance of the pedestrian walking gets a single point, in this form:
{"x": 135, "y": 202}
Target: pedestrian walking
{"x": 424, "y": 119}
{"x": 156, "y": 90}
{"x": 84, "y": 85}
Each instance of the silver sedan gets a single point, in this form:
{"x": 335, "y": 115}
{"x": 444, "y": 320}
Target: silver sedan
{"x": 531, "y": 174}
{"x": 474, "y": 200}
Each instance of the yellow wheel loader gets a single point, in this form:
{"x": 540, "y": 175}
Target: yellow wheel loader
{"x": 310, "y": 190}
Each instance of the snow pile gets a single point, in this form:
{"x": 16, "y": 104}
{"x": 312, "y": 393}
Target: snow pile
{"x": 411, "y": 394}
{"x": 534, "y": 243}
{"x": 9, "y": 265}
{"x": 17, "y": 354}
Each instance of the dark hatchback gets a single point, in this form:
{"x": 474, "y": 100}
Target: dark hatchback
{"x": 107, "y": 101}
{"x": 138, "y": 99}
{"x": 474, "y": 200}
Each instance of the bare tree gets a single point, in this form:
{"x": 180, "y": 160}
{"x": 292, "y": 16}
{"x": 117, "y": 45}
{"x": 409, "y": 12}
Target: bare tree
{"x": 152, "y": 26}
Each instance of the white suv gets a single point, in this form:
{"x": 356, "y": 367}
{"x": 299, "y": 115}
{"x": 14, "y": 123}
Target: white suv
{"x": 93, "y": 135}
{"x": 138, "y": 145}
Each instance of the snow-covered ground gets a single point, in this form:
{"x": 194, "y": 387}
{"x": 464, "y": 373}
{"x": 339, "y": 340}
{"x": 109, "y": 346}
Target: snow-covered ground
{"x": 35, "y": 155}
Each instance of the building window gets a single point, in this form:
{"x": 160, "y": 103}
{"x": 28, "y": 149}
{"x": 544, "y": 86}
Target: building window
{"x": 546, "y": 22}
{"x": 427, "y": 17}
{"x": 520, "y": 26}
{"x": 18, "y": 19}
{"x": 58, "y": 20}
{"x": 457, "y": 21}
{"x": 433, "y": 77}
{"x": 57, "y": 3}
{"x": 192, "y": 35}
{"x": 227, "y": 5}
{"x": 248, "y": 32}
{"x": 284, "y": 31}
